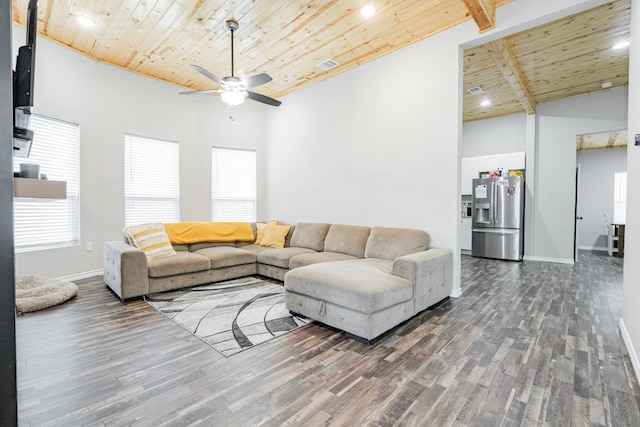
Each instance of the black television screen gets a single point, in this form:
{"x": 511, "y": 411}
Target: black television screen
{"x": 23, "y": 84}
{"x": 26, "y": 61}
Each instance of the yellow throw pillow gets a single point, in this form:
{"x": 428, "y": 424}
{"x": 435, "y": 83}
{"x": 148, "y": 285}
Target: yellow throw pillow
{"x": 274, "y": 235}
{"x": 260, "y": 231}
{"x": 152, "y": 239}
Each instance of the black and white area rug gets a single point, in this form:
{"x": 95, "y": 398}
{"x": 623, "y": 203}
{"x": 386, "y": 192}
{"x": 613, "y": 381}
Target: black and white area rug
{"x": 230, "y": 316}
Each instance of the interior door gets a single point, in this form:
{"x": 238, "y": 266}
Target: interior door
{"x": 577, "y": 217}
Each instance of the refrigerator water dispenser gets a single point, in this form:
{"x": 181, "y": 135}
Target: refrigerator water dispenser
{"x": 482, "y": 213}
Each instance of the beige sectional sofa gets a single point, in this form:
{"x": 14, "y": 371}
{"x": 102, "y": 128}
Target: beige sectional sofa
{"x": 363, "y": 280}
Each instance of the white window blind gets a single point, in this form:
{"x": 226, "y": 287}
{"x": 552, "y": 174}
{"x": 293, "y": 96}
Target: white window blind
{"x": 233, "y": 184}
{"x": 50, "y": 223}
{"x": 151, "y": 180}
{"x": 620, "y": 198}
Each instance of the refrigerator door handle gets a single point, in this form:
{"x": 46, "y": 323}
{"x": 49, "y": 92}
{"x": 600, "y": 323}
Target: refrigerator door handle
{"x": 497, "y": 230}
{"x": 494, "y": 202}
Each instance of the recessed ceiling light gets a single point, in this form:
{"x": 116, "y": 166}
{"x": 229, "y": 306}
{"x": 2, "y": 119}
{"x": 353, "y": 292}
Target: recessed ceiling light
{"x": 606, "y": 85}
{"x": 621, "y": 44}
{"x": 86, "y": 22}
{"x": 368, "y": 11}
{"x": 485, "y": 103}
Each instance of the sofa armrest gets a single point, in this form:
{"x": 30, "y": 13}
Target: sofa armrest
{"x": 431, "y": 273}
{"x": 125, "y": 270}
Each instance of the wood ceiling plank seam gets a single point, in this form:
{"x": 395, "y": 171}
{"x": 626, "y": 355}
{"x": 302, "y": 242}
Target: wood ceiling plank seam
{"x": 499, "y": 50}
{"x": 483, "y": 13}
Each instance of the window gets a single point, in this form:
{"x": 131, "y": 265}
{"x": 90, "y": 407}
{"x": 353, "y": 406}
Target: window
{"x": 620, "y": 198}
{"x": 50, "y": 223}
{"x": 233, "y": 184}
{"x": 151, "y": 180}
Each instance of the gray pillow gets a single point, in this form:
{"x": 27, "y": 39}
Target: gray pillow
{"x": 310, "y": 235}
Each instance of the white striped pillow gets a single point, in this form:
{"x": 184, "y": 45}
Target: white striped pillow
{"x": 152, "y": 239}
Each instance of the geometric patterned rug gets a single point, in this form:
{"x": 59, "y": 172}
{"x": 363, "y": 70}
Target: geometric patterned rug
{"x": 230, "y": 316}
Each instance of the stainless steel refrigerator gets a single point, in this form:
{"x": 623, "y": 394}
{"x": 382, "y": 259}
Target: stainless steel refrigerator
{"x": 498, "y": 218}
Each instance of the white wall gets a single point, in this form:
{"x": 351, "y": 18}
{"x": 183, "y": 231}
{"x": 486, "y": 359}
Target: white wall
{"x": 506, "y": 134}
{"x": 630, "y": 322}
{"x": 558, "y": 124}
{"x": 108, "y": 102}
{"x": 595, "y": 193}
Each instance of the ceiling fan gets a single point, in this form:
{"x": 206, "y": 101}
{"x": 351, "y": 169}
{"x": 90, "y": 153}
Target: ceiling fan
{"x": 233, "y": 89}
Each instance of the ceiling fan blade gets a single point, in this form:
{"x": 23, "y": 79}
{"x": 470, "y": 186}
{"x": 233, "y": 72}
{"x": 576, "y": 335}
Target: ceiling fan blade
{"x": 195, "y": 92}
{"x": 263, "y": 99}
{"x": 257, "y": 80}
{"x": 207, "y": 74}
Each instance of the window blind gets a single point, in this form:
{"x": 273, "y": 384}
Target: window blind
{"x": 151, "y": 181}
{"x": 620, "y": 198}
{"x": 233, "y": 184}
{"x": 50, "y": 223}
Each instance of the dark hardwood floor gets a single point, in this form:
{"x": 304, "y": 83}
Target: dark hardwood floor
{"x": 527, "y": 344}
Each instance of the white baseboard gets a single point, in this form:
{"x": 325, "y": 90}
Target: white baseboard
{"x": 85, "y": 275}
{"x": 593, "y": 248}
{"x": 456, "y": 293}
{"x": 546, "y": 259}
{"x": 632, "y": 351}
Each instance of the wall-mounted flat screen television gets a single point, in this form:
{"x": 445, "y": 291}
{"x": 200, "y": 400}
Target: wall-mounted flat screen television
{"x": 23, "y": 83}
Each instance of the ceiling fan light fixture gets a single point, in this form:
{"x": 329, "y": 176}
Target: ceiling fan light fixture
{"x": 232, "y": 97}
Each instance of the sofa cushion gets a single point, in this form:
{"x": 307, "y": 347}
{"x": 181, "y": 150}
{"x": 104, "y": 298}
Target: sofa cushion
{"x": 280, "y": 257}
{"x": 256, "y": 249}
{"x": 316, "y": 257}
{"x": 152, "y": 239}
{"x": 349, "y": 284}
{"x": 347, "y": 239}
{"x": 227, "y": 256}
{"x": 193, "y": 247}
{"x": 310, "y": 235}
{"x": 180, "y": 263}
{"x": 391, "y": 243}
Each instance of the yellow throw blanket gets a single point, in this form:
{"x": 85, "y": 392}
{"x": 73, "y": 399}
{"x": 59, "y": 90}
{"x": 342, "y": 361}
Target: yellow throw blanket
{"x": 196, "y": 232}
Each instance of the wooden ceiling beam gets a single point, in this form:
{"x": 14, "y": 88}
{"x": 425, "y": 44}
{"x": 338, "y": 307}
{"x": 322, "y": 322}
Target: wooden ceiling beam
{"x": 483, "y": 12}
{"x": 506, "y": 62}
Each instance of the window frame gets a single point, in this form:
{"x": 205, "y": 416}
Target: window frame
{"x": 149, "y": 191}
{"x": 251, "y": 189}
{"x": 57, "y": 211}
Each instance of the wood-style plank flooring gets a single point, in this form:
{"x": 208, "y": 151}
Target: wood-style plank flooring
{"x": 527, "y": 344}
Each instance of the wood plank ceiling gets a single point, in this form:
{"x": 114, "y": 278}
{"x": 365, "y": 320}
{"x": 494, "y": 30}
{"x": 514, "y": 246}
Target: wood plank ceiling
{"x": 288, "y": 39}
{"x": 565, "y": 58}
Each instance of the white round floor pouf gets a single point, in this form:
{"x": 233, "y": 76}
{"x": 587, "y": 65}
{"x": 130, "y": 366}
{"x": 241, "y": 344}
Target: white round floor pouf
{"x": 37, "y": 292}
